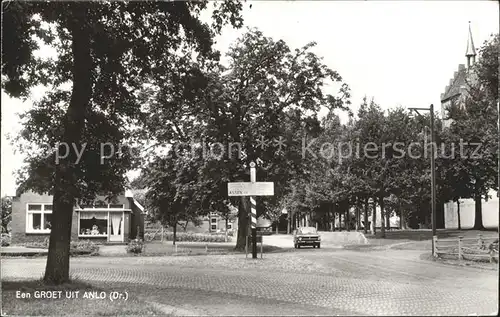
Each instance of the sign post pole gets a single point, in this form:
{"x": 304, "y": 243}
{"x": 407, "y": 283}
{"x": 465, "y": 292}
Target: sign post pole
{"x": 251, "y": 189}
{"x": 253, "y": 212}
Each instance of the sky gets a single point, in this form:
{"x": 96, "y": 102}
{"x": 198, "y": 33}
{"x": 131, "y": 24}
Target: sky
{"x": 401, "y": 53}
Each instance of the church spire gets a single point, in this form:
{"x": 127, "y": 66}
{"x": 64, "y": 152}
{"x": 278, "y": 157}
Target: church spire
{"x": 471, "y": 50}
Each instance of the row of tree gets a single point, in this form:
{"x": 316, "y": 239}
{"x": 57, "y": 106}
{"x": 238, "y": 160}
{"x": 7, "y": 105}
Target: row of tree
{"x": 378, "y": 158}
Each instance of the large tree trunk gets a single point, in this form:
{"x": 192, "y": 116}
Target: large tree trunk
{"x": 243, "y": 211}
{"x": 478, "y": 219}
{"x": 356, "y": 220}
{"x": 227, "y": 220}
{"x": 340, "y": 219}
{"x": 374, "y": 217}
{"x": 289, "y": 222}
{"x": 387, "y": 220}
{"x": 331, "y": 218}
{"x": 347, "y": 218}
{"x": 57, "y": 267}
{"x": 365, "y": 226}
{"x": 175, "y": 233}
{"x": 382, "y": 217}
{"x": 458, "y": 214}
{"x": 402, "y": 218}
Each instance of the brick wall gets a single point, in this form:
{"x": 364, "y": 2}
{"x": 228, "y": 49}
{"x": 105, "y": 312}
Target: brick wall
{"x": 18, "y": 223}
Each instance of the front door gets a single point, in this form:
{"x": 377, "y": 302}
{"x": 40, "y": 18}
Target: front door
{"x": 116, "y": 227}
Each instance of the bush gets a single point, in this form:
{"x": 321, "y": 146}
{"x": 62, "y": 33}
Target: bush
{"x": 83, "y": 247}
{"x": 38, "y": 244}
{"x": 135, "y": 246}
{"x": 75, "y": 247}
{"x": 196, "y": 237}
{"x": 189, "y": 236}
{"x": 5, "y": 239}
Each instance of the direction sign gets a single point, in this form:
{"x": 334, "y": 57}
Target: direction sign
{"x": 250, "y": 189}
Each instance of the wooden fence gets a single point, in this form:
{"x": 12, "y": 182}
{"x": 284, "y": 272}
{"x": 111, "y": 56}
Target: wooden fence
{"x": 476, "y": 249}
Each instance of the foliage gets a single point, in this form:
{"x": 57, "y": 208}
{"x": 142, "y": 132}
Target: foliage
{"x": 190, "y": 237}
{"x": 106, "y": 51}
{"x": 6, "y": 213}
{"x": 197, "y": 237}
{"x": 175, "y": 193}
{"x": 135, "y": 246}
{"x": 266, "y": 91}
{"x": 79, "y": 247}
{"x": 5, "y": 239}
{"x": 38, "y": 244}
{"x": 83, "y": 247}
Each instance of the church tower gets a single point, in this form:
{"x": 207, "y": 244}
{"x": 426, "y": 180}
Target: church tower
{"x": 454, "y": 93}
{"x": 470, "y": 53}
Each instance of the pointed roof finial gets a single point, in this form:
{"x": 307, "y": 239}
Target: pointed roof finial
{"x": 471, "y": 50}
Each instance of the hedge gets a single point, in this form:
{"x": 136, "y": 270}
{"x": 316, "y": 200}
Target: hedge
{"x": 189, "y": 237}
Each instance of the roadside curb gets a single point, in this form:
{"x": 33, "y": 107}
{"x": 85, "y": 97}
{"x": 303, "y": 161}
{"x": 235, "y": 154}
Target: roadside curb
{"x": 22, "y": 254}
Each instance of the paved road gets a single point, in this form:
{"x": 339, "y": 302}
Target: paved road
{"x": 301, "y": 282}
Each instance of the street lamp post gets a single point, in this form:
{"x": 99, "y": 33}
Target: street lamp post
{"x": 433, "y": 173}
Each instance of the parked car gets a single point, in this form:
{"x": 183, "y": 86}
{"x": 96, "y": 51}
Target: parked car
{"x": 306, "y": 236}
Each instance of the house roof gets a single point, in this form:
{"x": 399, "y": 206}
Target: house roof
{"x": 130, "y": 193}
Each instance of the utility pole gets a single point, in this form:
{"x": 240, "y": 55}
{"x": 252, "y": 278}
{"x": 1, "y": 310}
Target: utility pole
{"x": 433, "y": 172}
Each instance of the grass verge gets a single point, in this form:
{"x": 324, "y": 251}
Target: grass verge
{"x": 13, "y": 305}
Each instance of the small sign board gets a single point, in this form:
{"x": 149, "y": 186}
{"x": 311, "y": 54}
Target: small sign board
{"x": 250, "y": 189}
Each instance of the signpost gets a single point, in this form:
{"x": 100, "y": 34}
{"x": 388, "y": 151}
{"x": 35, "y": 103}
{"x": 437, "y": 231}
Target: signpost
{"x": 252, "y": 189}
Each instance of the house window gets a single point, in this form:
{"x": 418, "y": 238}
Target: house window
{"x": 229, "y": 226}
{"x": 93, "y": 224}
{"x": 214, "y": 227}
{"x": 38, "y": 218}
{"x": 214, "y": 220}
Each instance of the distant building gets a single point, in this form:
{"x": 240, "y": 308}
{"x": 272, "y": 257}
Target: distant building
{"x": 211, "y": 223}
{"x": 454, "y": 94}
{"x": 456, "y": 91}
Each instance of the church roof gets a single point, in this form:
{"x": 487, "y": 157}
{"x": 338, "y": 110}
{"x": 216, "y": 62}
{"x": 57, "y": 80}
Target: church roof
{"x": 456, "y": 84}
{"x": 471, "y": 50}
